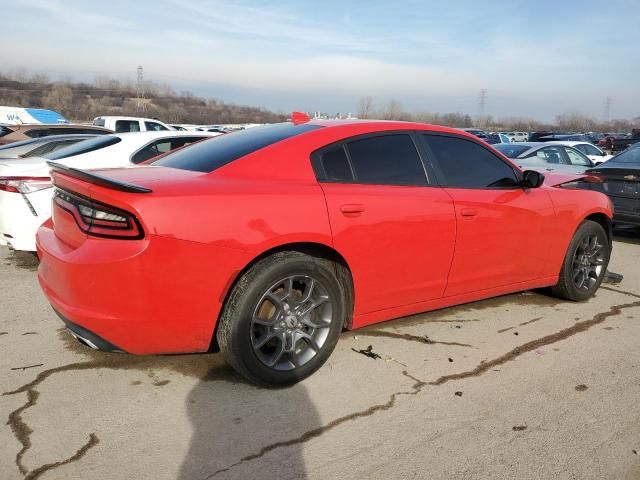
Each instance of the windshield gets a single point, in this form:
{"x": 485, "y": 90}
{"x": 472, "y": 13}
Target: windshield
{"x": 510, "y": 150}
{"x": 85, "y": 146}
{"x": 208, "y": 155}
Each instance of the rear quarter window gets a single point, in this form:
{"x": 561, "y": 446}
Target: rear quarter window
{"x": 209, "y": 155}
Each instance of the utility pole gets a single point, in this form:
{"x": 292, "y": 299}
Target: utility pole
{"x": 140, "y": 89}
{"x": 483, "y": 104}
{"x": 607, "y": 109}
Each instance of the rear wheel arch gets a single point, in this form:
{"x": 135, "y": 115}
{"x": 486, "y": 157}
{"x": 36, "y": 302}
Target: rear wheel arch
{"x": 605, "y": 222}
{"x": 313, "y": 249}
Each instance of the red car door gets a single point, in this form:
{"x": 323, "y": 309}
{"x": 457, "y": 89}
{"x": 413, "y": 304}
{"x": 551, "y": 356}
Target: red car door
{"x": 395, "y": 231}
{"x": 501, "y": 227}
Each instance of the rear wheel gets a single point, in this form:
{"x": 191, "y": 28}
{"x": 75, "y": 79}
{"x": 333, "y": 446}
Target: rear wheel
{"x": 585, "y": 263}
{"x": 282, "y": 319}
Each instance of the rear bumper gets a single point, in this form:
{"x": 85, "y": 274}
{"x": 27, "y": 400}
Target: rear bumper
{"x": 149, "y": 296}
{"x": 626, "y": 210}
{"x": 88, "y": 338}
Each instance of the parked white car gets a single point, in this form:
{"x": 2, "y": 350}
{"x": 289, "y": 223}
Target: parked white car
{"x": 517, "y": 136}
{"x": 26, "y": 189}
{"x": 595, "y": 154}
{"x": 131, "y": 124}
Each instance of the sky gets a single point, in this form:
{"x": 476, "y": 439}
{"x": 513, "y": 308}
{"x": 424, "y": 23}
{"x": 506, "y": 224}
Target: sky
{"x": 536, "y": 59}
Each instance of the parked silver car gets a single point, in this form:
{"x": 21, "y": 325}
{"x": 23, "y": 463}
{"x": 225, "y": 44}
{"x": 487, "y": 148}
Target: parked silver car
{"x": 543, "y": 157}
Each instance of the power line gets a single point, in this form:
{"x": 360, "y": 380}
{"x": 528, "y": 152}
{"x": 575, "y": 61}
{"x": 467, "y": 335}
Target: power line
{"x": 484, "y": 94}
{"x": 140, "y": 103}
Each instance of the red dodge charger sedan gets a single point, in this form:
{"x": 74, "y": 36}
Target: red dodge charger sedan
{"x": 266, "y": 243}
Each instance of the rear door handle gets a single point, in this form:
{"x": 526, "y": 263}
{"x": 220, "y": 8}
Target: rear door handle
{"x": 352, "y": 209}
{"x": 468, "y": 212}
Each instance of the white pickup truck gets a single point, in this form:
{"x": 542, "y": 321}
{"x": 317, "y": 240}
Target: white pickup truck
{"x": 130, "y": 124}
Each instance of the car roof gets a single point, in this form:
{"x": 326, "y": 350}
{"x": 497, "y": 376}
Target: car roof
{"x": 121, "y": 117}
{"x": 570, "y": 143}
{"x": 39, "y": 126}
{"x": 378, "y": 125}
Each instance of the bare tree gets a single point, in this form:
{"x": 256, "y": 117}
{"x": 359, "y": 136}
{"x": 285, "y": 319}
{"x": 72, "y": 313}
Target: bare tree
{"x": 393, "y": 111}
{"x": 365, "y": 107}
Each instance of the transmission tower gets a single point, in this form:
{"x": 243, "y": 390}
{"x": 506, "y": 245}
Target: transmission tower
{"x": 483, "y": 103}
{"x": 140, "y": 104}
{"x": 607, "y": 109}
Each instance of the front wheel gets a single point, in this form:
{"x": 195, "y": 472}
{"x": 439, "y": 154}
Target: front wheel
{"x": 585, "y": 263}
{"x": 282, "y": 319}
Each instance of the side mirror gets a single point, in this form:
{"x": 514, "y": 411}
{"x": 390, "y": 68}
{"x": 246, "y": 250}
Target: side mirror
{"x": 532, "y": 179}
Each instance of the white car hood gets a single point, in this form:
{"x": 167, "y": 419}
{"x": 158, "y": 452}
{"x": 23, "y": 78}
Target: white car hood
{"x": 37, "y": 166}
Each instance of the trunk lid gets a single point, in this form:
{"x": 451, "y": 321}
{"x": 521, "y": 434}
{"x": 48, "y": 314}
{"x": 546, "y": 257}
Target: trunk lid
{"x": 126, "y": 191}
{"x": 618, "y": 182}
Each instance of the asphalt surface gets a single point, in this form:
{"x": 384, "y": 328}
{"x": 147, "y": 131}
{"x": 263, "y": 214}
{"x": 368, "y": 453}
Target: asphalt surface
{"x": 522, "y": 386}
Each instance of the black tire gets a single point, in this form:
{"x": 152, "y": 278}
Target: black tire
{"x": 236, "y": 331}
{"x": 568, "y": 286}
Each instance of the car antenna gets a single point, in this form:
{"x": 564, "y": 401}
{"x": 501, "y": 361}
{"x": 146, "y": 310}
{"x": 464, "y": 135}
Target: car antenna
{"x": 299, "y": 117}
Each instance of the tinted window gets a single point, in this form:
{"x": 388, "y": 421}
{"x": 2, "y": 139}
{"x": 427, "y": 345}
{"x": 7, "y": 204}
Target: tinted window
{"x": 212, "y": 154}
{"x": 85, "y": 146}
{"x": 336, "y": 165}
{"x": 153, "y": 126}
{"x": 386, "y": 160}
{"x": 465, "y": 164}
{"x": 123, "y": 126}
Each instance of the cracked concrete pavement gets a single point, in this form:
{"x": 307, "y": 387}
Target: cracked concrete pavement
{"x": 521, "y": 386}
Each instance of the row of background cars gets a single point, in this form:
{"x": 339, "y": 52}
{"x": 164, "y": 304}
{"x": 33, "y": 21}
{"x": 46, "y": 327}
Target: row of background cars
{"x": 25, "y": 184}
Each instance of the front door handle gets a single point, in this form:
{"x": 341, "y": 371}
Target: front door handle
{"x": 352, "y": 209}
{"x": 468, "y": 212}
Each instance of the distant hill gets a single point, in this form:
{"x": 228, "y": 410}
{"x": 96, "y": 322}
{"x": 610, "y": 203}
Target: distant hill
{"x": 84, "y": 102}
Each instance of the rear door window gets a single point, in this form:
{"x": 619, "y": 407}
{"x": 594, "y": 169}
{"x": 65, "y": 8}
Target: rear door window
{"x": 386, "y": 160}
{"x": 551, "y": 155}
{"x": 466, "y": 164}
{"x": 123, "y": 126}
{"x": 154, "y": 127}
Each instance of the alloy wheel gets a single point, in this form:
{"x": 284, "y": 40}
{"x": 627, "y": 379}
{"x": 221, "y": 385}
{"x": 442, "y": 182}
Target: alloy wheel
{"x": 588, "y": 262}
{"x": 291, "y": 322}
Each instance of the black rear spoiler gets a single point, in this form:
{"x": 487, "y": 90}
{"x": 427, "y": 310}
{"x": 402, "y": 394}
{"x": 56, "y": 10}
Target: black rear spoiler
{"x": 98, "y": 179}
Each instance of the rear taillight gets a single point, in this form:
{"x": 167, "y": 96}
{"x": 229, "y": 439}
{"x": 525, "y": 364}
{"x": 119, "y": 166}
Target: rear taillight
{"x": 24, "y": 185}
{"x": 97, "y": 219}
